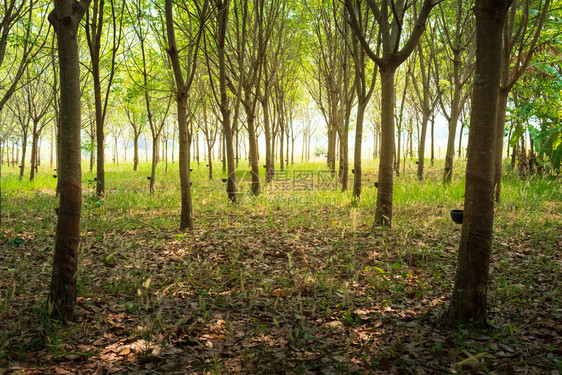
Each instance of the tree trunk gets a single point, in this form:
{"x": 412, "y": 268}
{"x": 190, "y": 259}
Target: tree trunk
{"x": 498, "y": 146}
{"x": 136, "y": 152}
{"x": 100, "y": 137}
{"x": 210, "y": 160}
{"x": 514, "y": 155}
{"x": 62, "y": 294}
{"x": 197, "y": 148}
{"x": 222, "y": 22}
{"x": 92, "y": 150}
{"x": 33, "y": 163}
{"x": 449, "y": 156}
{"x": 254, "y": 162}
{"x": 281, "y": 144}
{"x": 344, "y": 154}
{"x": 468, "y": 302}
{"x": 331, "y": 157}
{"x": 116, "y": 151}
{"x": 421, "y": 146}
{"x": 23, "y": 151}
{"x": 432, "y": 141}
{"x": 154, "y": 162}
{"x": 383, "y": 213}
{"x": 223, "y": 152}
{"x": 357, "y": 152}
{"x": 269, "y": 163}
{"x": 460, "y": 141}
{"x": 186, "y": 220}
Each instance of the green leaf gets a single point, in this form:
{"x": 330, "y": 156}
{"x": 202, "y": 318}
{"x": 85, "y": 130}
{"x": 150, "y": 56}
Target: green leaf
{"x": 17, "y": 241}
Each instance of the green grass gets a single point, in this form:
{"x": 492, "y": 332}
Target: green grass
{"x": 128, "y": 204}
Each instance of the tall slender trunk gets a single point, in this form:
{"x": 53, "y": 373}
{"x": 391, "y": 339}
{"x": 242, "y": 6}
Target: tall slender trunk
{"x": 135, "y": 151}
{"x": 23, "y": 152}
{"x": 421, "y": 145}
{"x": 269, "y": 139}
{"x": 100, "y": 137}
{"x": 357, "y": 173}
{"x": 383, "y": 213}
{"x": 449, "y": 156}
{"x": 210, "y": 156}
{"x": 460, "y": 141}
{"x": 196, "y": 148}
{"x": 468, "y": 301}
{"x": 287, "y": 154}
{"x": 116, "y": 151}
{"x": 331, "y": 148}
{"x": 223, "y": 152}
{"x": 432, "y": 140}
{"x": 154, "y": 162}
{"x": 93, "y": 149}
{"x": 62, "y": 294}
{"x": 281, "y": 144}
{"x": 186, "y": 219}
{"x": 34, "y": 158}
{"x": 344, "y": 154}
{"x": 498, "y": 145}
{"x": 254, "y": 162}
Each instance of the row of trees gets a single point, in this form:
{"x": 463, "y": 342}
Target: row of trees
{"x": 250, "y": 67}
{"x": 434, "y": 81}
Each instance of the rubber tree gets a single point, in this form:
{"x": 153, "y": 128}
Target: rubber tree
{"x": 137, "y": 123}
{"x": 364, "y": 90}
{"x": 427, "y": 94}
{"x": 347, "y": 94}
{"x": 94, "y": 31}
{"x": 458, "y": 39}
{"x": 207, "y": 126}
{"x": 520, "y": 36}
{"x": 468, "y": 301}
{"x": 183, "y": 77}
{"x": 65, "y": 19}
{"x": 149, "y": 74}
{"x": 271, "y": 38}
{"x": 325, "y": 86}
{"x": 249, "y": 24}
{"x": 18, "y": 106}
{"x": 219, "y": 84}
{"x": 40, "y": 95}
{"x": 390, "y": 16}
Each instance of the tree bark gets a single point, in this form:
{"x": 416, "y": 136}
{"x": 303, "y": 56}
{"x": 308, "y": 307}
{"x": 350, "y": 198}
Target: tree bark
{"x": 135, "y": 152}
{"x": 182, "y": 92}
{"x": 453, "y": 120}
{"x": 34, "y": 147}
{"x": 23, "y": 152}
{"x": 65, "y": 19}
{"x": 254, "y": 162}
{"x": 432, "y": 140}
{"x": 222, "y": 22}
{"x": 269, "y": 163}
{"x": 357, "y": 173}
{"x": 210, "y": 160}
{"x": 468, "y": 302}
{"x": 383, "y": 213}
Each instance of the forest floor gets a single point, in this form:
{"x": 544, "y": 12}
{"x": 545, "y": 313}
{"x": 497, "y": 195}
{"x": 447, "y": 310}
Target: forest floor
{"x": 293, "y": 282}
